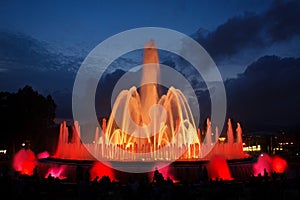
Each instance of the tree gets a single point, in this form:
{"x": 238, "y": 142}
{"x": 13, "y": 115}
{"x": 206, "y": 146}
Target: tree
{"x": 25, "y": 115}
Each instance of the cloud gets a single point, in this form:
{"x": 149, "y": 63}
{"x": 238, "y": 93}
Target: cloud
{"x": 27, "y": 61}
{"x": 283, "y": 20}
{"x": 20, "y": 51}
{"x": 3, "y": 70}
{"x": 264, "y": 98}
{"x": 266, "y": 94}
{"x": 280, "y": 23}
{"x": 236, "y": 33}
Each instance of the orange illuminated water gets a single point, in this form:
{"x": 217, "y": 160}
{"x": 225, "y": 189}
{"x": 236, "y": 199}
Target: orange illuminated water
{"x": 144, "y": 126}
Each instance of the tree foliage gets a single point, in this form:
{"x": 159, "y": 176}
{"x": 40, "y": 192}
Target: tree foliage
{"x": 25, "y": 115}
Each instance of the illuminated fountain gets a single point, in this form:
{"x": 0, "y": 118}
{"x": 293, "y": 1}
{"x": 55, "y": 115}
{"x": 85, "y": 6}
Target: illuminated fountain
{"x": 144, "y": 126}
{"x": 218, "y": 168}
{"x": 269, "y": 163}
{"x": 24, "y": 161}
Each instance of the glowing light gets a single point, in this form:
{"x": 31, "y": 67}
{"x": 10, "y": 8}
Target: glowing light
{"x": 99, "y": 170}
{"x": 3, "y": 151}
{"x": 252, "y": 148}
{"x": 218, "y": 168}
{"x": 271, "y": 164}
{"x": 56, "y": 172}
{"x": 279, "y": 165}
{"x": 264, "y": 161}
{"x": 166, "y": 173}
{"x": 24, "y": 161}
{"x": 44, "y": 154}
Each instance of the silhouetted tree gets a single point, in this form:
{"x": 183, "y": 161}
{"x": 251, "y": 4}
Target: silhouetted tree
{"x": 25, "y": 115}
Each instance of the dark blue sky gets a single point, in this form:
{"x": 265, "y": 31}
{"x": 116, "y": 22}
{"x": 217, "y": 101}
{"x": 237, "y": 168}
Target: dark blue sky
{"x": 83, "y": 24}
{"x": 255, "y": 44}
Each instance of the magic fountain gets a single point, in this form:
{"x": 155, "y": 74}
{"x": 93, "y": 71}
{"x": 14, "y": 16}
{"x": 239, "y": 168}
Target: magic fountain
{"x": 144, "y": 126}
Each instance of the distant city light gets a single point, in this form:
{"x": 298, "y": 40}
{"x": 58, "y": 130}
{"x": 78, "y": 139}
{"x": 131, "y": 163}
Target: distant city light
{"x": 3, "y": 151}
{"x": 252, "y": 148}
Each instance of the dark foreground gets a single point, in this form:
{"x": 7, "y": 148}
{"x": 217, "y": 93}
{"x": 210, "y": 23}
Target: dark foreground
{"x": 34, "y": 187}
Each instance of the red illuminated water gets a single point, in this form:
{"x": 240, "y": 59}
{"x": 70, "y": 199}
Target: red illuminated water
{"x": 271, "y": 164}
{"x": 217, "y": 167}
{"x": 25, "y": 161}
{"x": 99, "y": 170}
{"x": 44, "y": 154}
{"x": 56, "y": 172}
{"x": 166, "y": 172}
{"x": 75, "y": 149}
{"x": 279, "y": 165}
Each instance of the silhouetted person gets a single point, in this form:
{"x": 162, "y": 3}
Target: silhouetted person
{"x": 217, "y": 179}
{"x": 266, "y": 175}
{"x": 221, "y": 181}
{"x": 87, "y": 176}
{"x": 274, "y": 176}
{"x": 205, "y": 173}
{"x": 259, "y": 178}
{"x": 105, "y": 182}
{"x": 169, "y": 181}
{"x": 156, "y": 174}
{"x": 158, "y": 177}
{"x": 95, "y": 180}
{"x": 35, "y": 175}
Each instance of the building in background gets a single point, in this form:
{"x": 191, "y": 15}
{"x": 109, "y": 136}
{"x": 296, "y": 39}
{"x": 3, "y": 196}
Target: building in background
{"x": 279, "y": 143}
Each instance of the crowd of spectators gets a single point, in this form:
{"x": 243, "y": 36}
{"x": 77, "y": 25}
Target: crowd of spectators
{"x": 264, "y": 186}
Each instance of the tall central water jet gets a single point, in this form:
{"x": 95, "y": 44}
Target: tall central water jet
{"x": 144, "y": 122}
{"x": 148, "y": 89}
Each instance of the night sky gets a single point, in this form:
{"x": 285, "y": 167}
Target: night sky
{"x": 255, "y": 44}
